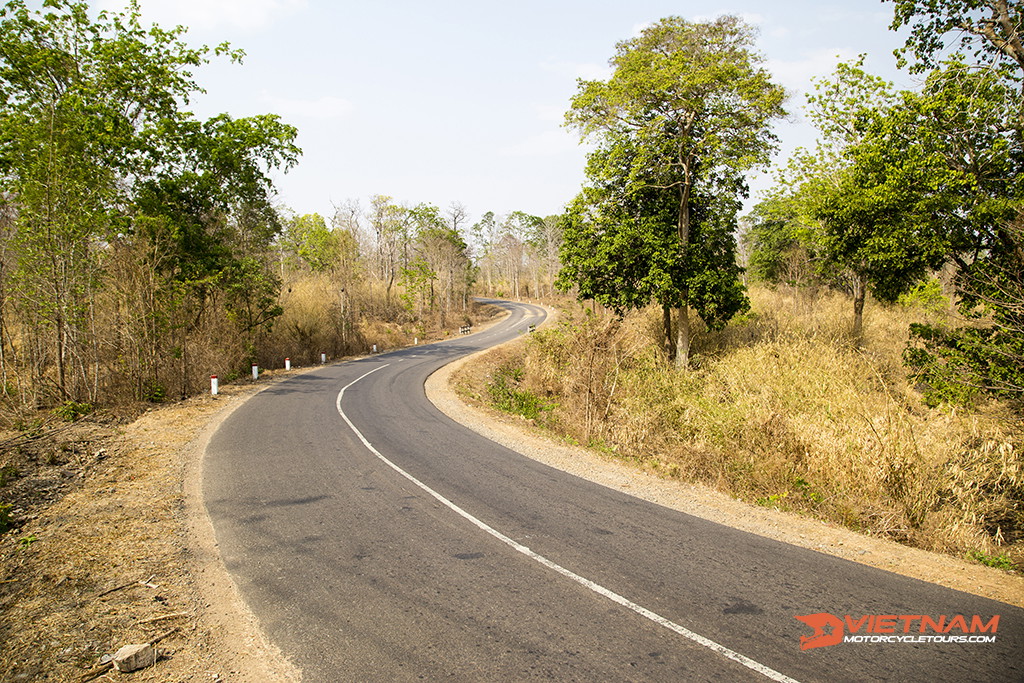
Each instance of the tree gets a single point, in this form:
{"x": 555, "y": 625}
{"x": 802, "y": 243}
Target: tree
{"x": 780, "y": 241}
{"x": 544, "y": 246}
{"x": 485, "y": 236}
{"x": 312, "y": 243}
{"x": 685, "y": 113}
{"x": 853, "y": 205}
{"x": 389, "y": 223}
{"x": 81, "y": 102}
{"x": 969, "y": 121}
{"x": 207, "y": 210}
{"x": 870, "y": 226}
{"x": 992, "y": 28}
{"x": 514, "y": 233}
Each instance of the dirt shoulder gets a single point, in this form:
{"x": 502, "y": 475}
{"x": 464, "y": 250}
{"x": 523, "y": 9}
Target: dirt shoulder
{"x": 127, "y": 556}
{"x": 517, "y": 434}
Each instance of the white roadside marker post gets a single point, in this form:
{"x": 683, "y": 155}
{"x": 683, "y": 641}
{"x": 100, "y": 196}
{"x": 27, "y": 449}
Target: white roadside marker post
{"x": 213, "y": 385}
{"x": 255, "y": 372}
{"x": 287, "y": 363}
{"x": 323, "y": 358}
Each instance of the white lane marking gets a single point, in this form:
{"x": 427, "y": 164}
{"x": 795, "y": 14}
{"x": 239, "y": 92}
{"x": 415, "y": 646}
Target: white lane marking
{"x": 768, "y": 672}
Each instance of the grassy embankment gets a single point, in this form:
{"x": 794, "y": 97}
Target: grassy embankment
{"x": 784, "y": 410}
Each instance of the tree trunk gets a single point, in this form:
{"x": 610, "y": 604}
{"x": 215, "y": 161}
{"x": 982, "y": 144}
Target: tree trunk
{"x": 682, "y": 358}
{"x": 860, "y": 287}
{"x": 670, "y": 347}
{"x": 683, "y": 338}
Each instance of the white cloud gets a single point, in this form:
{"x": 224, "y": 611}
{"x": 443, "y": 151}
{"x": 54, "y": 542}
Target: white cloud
{"x": 209, "y": 14}
{"x": 751, "y": 18}
{"x": 322, "y": 108}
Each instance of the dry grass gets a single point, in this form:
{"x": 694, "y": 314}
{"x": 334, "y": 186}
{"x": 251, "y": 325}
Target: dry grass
{"x": 120, "y": 524}
{"x": 323, "y": 316}
{"x": 786, "y": 410}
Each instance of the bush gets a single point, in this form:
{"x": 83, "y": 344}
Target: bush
{"x": 927, "y": 295}
{"x": 70, "y": 411}
{"x": 507, "y": 396}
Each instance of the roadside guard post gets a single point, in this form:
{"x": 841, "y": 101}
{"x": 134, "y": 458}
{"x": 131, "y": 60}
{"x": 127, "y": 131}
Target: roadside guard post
{"x": 213, "y": 385}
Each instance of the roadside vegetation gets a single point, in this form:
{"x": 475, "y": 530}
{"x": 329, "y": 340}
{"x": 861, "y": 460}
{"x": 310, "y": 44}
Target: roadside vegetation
{"x": 784, "y": 408}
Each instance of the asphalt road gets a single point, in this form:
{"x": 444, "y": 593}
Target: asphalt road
{"x": 377, "y": 540}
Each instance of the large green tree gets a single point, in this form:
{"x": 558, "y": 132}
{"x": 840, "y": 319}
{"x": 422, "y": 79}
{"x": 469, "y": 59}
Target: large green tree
{"x": 975, "y": 120}
{"x": 686, "y": 112}
{"x": 859, "y": 204}
{"x": 76, "y": 93}
{"x": 968, "y": 120}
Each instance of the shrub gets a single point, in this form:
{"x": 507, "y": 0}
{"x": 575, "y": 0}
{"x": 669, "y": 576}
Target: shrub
{"x": 70, "y": 411}
{"x": 507, "y": 396}
{"x": 927, "y": 295}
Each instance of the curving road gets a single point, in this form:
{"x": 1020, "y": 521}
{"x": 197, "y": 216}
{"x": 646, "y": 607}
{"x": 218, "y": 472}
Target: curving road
{"x": 377, "y": 540}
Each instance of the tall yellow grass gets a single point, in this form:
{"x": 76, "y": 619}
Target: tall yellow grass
{"x": 785, "y": 409}
{"x": 323, "y": 316}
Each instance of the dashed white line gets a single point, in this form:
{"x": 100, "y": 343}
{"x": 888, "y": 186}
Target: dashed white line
{"x": 766, "y": 671}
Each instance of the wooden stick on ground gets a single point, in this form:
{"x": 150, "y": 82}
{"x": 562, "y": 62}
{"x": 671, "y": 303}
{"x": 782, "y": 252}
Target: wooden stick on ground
{"x": 164, "y": 616}
{"x": 147, "y": 583}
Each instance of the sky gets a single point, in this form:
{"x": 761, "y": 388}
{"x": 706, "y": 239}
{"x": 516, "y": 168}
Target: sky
{"x": 463, "y": 101}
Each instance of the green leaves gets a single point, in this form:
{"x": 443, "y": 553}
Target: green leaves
{"x": 991, "y": 29}
{"x": 685, "y": 113}
{"x": 697, "y": 83}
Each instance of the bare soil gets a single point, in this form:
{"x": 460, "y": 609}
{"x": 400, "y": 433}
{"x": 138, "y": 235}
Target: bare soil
{"x": 119, "y": 551}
